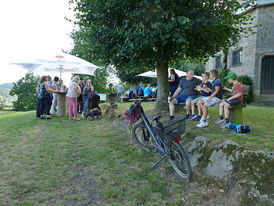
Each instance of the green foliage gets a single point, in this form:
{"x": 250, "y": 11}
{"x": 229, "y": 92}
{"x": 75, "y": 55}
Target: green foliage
{"x": 246, "y": 80}
{"x": 136, "y": 33}
{"x": 198, "y": 67}
{"x": 141, "y": 34}
{"x": 99, "y": 80}
{"x": 25, "y": 89}
{"x": 222, "y": 75}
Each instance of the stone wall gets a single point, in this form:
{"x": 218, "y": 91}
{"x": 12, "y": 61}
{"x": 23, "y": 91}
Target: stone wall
{"x": 254, "y": 47}
{"x": 252, "y": 170}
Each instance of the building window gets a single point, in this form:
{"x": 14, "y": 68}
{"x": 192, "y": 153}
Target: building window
{"x": 218, "y": 62}
{"x": 236, "y": 57}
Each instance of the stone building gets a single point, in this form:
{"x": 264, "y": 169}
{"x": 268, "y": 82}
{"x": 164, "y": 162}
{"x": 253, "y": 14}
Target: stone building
{"x": 254, "y": 55}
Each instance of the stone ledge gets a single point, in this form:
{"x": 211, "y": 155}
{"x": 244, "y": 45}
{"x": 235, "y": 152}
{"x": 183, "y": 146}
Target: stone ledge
{"x": 252, "y": 170}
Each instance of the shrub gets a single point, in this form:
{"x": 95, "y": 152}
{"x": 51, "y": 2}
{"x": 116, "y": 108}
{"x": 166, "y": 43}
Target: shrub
{"x": 246, "y": 80}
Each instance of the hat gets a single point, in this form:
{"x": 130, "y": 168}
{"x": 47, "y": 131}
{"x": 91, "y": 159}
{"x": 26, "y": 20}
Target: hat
{"x": 231, "y": 75}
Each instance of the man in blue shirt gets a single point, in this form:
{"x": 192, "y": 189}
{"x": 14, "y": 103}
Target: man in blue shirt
{"x": 148, "y": 91}
{"x": 120, "y": 90}
{"x": 188, "y": 85}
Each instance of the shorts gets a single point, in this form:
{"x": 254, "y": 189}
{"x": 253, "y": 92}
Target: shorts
{"x": 182, "y": 98}
{"x": 233, "y": 101}
{"x": 213, "y": 101}
{"x": 198, "y": 99}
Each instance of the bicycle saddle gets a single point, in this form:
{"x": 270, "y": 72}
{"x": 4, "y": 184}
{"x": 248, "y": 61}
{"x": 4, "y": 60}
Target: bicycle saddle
{"x": 156, "y": 117}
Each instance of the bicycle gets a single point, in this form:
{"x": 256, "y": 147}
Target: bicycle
{"x": 162, "y": 138}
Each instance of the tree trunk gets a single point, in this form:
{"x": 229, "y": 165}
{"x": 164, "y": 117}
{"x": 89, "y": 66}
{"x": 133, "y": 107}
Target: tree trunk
{"x": 162, "y": 82}
{"x": 225, "y": 60}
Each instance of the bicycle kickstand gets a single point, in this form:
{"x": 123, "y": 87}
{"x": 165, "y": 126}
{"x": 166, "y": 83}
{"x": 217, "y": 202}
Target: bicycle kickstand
{"x": 159, "y": 161}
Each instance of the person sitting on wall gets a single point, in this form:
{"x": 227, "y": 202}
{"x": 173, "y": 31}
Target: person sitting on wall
{"x": 214, "y": 98}
{"x": 205, "y": 89}
{"x": 187, "y": 84}
{"x": 236, "y": 98}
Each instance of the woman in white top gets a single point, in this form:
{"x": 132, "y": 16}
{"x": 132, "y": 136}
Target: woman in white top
{"x": 73, "y": 91}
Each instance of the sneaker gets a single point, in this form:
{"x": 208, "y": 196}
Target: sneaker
{"x": 202, "y": 118}
{"x": 225, "y": 123}
{"x": 228, "y": 126}
{"x": 202, "y": 124}
{"x": 187, "y": 116}
{"x": 192, "y": 117}
{"x": 207, "y": 117}
{"x": 199, "y": 117}
{"x": 219, "y": 120}
{"x": 171, "y": 118}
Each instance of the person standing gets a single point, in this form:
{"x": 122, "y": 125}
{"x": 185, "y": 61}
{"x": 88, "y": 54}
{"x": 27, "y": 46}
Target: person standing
{"x": 44, "y": 96}
{"x": 187, "y": 84}
{"x": 55, "y": 85}
{"x": 120, "y": 90}
{"x": 80, "y": 100}
{"x": 173, "y": 81}
{"x": 88, "y": 88}
{"x": 73, "y": 92}
{"x": 236, "y": 98}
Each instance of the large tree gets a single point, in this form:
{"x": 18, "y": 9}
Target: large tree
{"x": 153, "y": 33}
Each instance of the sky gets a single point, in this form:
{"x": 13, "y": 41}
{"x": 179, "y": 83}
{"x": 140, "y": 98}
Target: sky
{"x": 30, "y": 29}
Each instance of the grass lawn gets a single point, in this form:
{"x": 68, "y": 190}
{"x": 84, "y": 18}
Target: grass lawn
{"x": 261, "y": 120}
{"x": 67, "y": 162}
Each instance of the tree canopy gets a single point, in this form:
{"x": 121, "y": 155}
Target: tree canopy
{"x": 25, "y": 89}
{"x": 144, "y": 34}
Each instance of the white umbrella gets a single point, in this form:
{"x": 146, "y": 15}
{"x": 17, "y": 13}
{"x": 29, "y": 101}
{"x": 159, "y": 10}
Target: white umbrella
{"x": 61, "y": 63}
{"x": 153, "y": 74}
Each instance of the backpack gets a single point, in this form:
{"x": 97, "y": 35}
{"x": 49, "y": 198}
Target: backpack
{"x": 133, "y": 113}
{"x": 240, "y": 128}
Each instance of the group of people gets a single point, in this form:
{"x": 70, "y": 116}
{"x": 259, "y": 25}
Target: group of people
{"x": 46, "y": 98}
{"x": 140, "y": 91}
{"x": 211, "y": 92}
{"x": 77, "y": 96}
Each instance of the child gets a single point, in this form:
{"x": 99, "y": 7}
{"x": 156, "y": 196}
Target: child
{"x": 214, "y": 98}
{"x": 205, "y": 89}
{"x": 237, "y": 98}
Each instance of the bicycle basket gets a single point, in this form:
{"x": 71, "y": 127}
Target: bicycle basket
{"x": 174, "y": 129}
{"x": 133, "y": 113}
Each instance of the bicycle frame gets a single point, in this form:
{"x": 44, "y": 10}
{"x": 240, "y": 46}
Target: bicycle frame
{"x": 150, "y": 129}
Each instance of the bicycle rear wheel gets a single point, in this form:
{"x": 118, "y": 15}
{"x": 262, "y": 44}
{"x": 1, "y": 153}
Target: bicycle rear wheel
{"x": 141, "y": 135}
{"x": 179, "y": 160}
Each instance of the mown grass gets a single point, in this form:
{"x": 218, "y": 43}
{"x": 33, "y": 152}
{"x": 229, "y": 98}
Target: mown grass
{"x": 39, "y": 161}
{"x": 261, "y": 120}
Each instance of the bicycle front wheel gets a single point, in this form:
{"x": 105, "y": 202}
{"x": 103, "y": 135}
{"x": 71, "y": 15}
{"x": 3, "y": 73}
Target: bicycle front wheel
{"x": 141, "y": 135}
{"x": 179, "y": 160}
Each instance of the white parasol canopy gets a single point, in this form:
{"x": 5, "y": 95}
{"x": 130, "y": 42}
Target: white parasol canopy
{"x": 153, "y": 74}
{"x": 60, "y": 63}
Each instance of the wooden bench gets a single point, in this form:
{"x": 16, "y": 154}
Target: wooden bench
{"x": 235, "y": 111}
{"x": 147, "y": 100}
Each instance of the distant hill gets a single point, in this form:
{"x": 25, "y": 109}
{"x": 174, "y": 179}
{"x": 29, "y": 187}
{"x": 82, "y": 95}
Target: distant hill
{"x": 6, "y": 85}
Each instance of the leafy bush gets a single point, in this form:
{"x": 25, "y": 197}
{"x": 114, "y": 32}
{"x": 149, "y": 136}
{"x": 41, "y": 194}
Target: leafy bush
{"x": 246, "y": 80}
{"x": 25, "y": 89}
